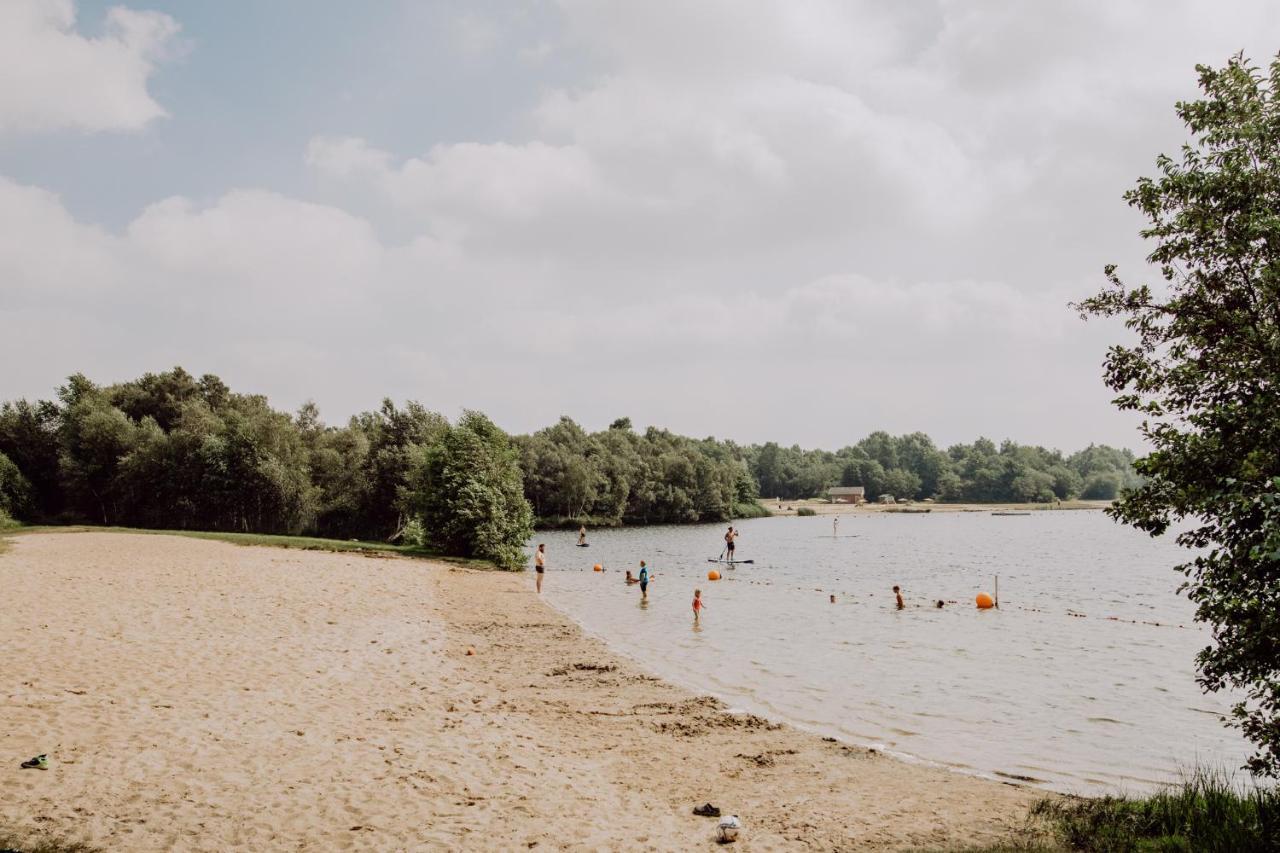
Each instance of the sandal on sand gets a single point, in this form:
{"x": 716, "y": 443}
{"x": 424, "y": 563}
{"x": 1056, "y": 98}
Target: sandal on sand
{"x": 40, "y": 762}
{"x": 706, "y": 811}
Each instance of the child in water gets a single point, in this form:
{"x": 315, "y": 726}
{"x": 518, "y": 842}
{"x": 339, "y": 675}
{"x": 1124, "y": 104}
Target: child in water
{"x": 897, "y": 594}
{"x": 697, "y": 604}
{"x": 631, "y": 578}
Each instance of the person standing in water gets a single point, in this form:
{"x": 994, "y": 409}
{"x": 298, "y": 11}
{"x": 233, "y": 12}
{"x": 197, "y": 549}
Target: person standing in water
{"x": 582, "y": 536}
{"x": 897, "y": 595}
{"x": 697, "y": 604}
{"x": 729, "y": 538}
{"x": 644, "y": 581}
{"x": 540, "y": 564}
{"x": 835, "y": 525}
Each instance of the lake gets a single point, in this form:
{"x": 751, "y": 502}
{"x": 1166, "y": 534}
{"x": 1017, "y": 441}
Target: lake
{"x": 1083, "y": 680}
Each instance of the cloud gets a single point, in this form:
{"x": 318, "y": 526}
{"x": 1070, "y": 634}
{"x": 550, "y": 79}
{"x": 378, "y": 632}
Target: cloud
{"x": 842, "y": 216}
{"x": 53, "y": 78}
{"x": 298, "y": 300}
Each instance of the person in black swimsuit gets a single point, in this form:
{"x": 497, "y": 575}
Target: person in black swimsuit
{"x": 728, "y": 542}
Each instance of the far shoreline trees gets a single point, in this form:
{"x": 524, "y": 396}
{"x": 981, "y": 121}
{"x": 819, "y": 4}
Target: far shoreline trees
{"x": 172, "y": 451}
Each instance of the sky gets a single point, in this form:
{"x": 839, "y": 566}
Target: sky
{"x": 796, "y": 221}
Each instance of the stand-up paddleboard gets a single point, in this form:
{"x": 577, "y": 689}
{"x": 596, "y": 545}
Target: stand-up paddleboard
{"x": 584, "y": 544}
{"x": 729, "y": 562}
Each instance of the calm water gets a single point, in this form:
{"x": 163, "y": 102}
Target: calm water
{"x": 1077, "y": 703}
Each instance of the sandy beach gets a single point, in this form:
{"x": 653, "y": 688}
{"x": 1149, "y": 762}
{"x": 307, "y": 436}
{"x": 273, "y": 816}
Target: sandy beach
{"x": 198, "y": 695}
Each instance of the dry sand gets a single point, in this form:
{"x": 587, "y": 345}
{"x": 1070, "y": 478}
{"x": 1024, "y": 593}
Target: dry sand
{"x": 197, "y": 695}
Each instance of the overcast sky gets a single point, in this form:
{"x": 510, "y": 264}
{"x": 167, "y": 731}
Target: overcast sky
{"x": 797, "y": 221}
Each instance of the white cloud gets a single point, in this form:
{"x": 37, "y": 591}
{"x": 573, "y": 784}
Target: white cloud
{"x": 53, "y": 78}
{"x": 301, "y": 300}
{"x": 854, "y": 215}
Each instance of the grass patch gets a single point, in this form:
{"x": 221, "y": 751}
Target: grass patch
{"x": 1208, "y": 811}
{"x": 303, "y": 543}
{"x": 41, "y": 844}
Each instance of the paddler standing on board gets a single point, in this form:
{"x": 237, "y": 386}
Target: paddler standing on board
{"x": 729, "y": 538}
{"x": 582, "y": 536}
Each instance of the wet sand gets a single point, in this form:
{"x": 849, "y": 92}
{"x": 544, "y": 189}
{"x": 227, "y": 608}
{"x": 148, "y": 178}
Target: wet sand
{"x": 197, "y": 695}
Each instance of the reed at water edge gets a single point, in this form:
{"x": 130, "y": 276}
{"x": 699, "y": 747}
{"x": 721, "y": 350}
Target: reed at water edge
{"x": 1208, "y": 812}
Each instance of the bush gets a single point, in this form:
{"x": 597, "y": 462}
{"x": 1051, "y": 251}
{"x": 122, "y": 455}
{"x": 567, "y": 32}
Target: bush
{"x": 470, "y": 497}
{"x": 15, "y": 491}
{"x": 414, "y": 533}
{"x": 1103, "y": 486}
{"x": 804, "y": 510}
{"x": 750, "y": 509}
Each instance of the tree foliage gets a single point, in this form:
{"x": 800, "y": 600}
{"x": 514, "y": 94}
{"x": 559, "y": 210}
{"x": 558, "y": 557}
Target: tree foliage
{"x": 1204, "y": 373}
{"x": 469, "y": 495}
{"x": 620, "y": 476}
{"x": 172, "y": 451}
{"x": 169, "y": 450}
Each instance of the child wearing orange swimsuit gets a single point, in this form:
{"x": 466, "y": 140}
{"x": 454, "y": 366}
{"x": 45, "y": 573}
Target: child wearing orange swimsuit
{"x": 697, "y": 604}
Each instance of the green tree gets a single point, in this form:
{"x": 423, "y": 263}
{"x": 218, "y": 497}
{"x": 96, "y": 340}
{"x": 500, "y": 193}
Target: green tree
{"x": 15, "y": 491}
{"x": 29, "y": 437}
{"x": 470, "y": 496}
{"x": 95, "y": 437}
{"x": 1204, "y": 372}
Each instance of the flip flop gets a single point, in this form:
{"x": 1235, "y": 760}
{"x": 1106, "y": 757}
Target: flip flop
{"x": 40, "y": 762}
{"x": 706, "y": 811}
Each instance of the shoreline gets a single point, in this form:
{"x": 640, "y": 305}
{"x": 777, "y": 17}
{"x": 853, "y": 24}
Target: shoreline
{"x": 1037, "y": 786}
{"x": 201, "y": 695}
{"x": 822, "y": 507}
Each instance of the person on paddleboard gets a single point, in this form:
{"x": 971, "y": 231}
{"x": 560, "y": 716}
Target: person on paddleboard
{"x": 729, "y": 538}
{"x": 582, "y": 536}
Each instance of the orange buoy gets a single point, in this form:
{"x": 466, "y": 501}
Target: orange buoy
{"x": 597, "y": 568}
{"x": 713, "y": 575}
{"x": 984, "y": 601}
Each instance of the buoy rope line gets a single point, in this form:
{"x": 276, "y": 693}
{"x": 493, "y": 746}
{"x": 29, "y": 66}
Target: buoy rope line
{"x": 853, "y": 599}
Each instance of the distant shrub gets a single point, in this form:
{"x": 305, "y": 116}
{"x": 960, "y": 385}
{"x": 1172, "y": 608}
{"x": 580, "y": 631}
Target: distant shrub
{"x": 566, "y": 522}
{"x": 750, "y": 509}
{"x": 414, "y": 533}
{"x": 804, "y": 510}
{"x": 1103, "y": 486}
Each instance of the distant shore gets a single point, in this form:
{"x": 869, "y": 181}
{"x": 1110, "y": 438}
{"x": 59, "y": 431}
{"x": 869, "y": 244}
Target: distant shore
{"x": 200, "y": 695}
{"x": 822, "y": 507}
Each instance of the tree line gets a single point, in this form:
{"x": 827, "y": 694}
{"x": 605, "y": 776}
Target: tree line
{"x": 911, "y": 466}
{"x": 172, "y": 451}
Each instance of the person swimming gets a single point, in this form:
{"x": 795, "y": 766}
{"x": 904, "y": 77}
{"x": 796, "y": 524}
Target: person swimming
{"x": 631, "y": 578}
